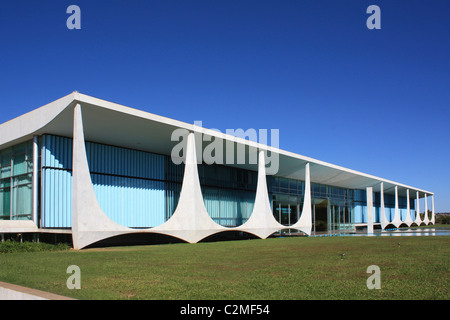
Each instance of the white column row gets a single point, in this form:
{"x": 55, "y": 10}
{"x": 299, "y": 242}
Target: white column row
{"x": 397, "y": 221}
{"x": 190, "y": 221}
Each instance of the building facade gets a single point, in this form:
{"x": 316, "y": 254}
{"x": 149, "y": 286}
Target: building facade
{"x": 96, "y": 170}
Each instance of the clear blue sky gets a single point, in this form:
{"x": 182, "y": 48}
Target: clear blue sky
{"x": 377, "y": 101}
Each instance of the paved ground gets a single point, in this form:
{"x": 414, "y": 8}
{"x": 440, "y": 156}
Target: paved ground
{"x": 14, "y": 292}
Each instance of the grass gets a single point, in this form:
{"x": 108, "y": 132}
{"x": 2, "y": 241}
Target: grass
{"x": 10, "y": 246}
{"x": 282, "y": 268}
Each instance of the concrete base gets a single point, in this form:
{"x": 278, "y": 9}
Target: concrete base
{"x": 17, "y": 226}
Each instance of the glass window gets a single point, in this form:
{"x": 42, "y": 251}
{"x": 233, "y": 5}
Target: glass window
{"x": 16, "y": 167}
{"x": 316, "y": 189}
{"x": 21, "y": 197}
{"x": 284, "y": 185}
{"x": 335, "y": 192}
{"x": 275, "y": 184}
{"x": 5, "y": 172}
{"x": 292, "y": 186}
{"x": 19, "y": 164}
{"x": 350, "y": 194}
{"x": 5, "y": 198}
{"x": 323, "y": 190}
{"x": 360, "y": 195}
{"x": 301, "y": 187}
{"x": 20, "y": 148}
{"x": 5, "y": 183}
{"x": 5, "y": 163}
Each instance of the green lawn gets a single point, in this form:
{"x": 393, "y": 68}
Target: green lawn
{"x": 282, "y": 268}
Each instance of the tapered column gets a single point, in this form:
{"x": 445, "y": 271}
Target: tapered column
{"x": 89, "y": 222}
{"x": 261, "y": 223}
{"x": 417, "y": 220}
{"x": 305, "y": 222}
{"x": 369, "y": 196}
{"x": 408, "y": 219}
{"x": 190, "y": 221}
{"x": 383, "y": 220}
{"x": 397, "y": 221}
{"x": 432, "y": 210}
{"x": 426, "y": 220}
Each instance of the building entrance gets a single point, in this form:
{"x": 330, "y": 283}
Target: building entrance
{"x": 320, "y": 215}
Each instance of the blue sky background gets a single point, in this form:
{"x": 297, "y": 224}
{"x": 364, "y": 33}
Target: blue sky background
{"x": 375, "y": 101}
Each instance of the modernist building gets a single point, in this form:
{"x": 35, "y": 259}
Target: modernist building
{"x": 97, "y": 170}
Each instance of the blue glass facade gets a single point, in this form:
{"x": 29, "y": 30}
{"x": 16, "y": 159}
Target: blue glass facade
{"x": 129, "y": 185}
{"x": 360, "y": 205}
{"x": 332, "y": 206}
{"x": 138, "y": 189}
{"x": 228, "y": 193}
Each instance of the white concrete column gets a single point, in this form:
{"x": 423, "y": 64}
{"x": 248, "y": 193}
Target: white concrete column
{"x": 190, "y": 221}
{"x": 417, "y": 220}
{"x": 89, "y": 222}
{"x": 426, "y": 220}
{"x": 383, "y": 220}
{"x": 432, "y": 210}
{"x": 408, "y": 219}
{"x": 369, "y": 197}
{"x": 305, "y": 222}
{"x": 35, "y": 179}
{"x": 397, "y": 221}
{"x": 261, "y": 223}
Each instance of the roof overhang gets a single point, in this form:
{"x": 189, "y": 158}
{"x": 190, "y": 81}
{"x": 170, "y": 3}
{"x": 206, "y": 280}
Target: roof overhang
{"x": 114, "y": 124}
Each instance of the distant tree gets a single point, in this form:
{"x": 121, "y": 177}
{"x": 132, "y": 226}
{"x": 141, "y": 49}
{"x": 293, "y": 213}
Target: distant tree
{"x": 442, "y": 218}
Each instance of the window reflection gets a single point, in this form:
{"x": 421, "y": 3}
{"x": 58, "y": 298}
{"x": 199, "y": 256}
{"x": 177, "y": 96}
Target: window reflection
{"x": 16, "y": 174}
